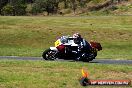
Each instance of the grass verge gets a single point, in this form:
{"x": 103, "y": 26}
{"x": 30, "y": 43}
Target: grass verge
{"x": 52, "y": 74}
{"x": 29, "y": 36}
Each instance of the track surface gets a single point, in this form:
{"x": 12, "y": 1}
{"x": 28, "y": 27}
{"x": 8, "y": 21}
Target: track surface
{"x": 104, "y": 61}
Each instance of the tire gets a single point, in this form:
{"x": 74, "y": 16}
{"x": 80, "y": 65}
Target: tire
{"x": 95, "y": 54}
{"x": 85, "y": 60}
{"x": 49, "y": 54}
{"x": 90, "y": 58}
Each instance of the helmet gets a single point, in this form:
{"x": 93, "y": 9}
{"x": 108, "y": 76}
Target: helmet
{"x": 76, "y": 35}
{"x": 64, "y": 39}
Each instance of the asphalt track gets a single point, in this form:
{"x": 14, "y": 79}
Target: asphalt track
{"x": 101, "y": 61}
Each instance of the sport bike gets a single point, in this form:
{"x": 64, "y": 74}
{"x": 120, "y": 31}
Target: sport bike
{"x": 69, "y": 50}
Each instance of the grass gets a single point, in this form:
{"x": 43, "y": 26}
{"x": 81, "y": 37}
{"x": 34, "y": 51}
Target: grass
{"x": 52, "y": 74}
{"x": 29, "y": 36}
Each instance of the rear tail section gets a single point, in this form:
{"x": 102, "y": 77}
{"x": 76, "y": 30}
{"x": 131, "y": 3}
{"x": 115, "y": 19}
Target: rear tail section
{"x": 96, "y": 45}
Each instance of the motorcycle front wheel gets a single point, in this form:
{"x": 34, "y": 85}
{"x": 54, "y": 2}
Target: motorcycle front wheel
{"x": 49, "y": 54}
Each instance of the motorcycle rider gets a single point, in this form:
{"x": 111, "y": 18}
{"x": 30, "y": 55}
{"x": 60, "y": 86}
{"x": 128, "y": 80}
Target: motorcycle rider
{"x": 84, "y": 45}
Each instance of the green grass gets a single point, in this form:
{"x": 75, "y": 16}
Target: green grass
{"x": 52, "y": 74}
{"x": 29, "y": 36}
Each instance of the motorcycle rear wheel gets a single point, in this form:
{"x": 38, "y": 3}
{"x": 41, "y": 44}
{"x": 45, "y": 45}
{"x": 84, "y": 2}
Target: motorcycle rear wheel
{"x": 90, "y": 58}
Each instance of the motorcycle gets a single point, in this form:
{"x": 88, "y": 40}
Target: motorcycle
{"x": 67, "y": 49}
